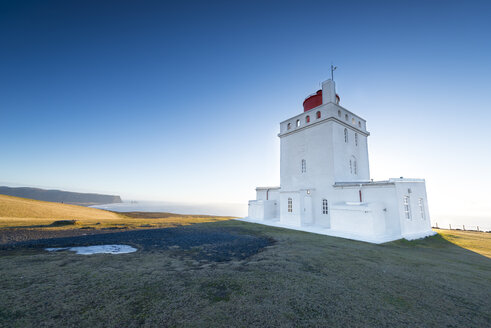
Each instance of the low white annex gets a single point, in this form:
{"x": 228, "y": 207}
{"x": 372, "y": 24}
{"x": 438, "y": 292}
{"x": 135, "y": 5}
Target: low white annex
{"x": 325, "y": 184}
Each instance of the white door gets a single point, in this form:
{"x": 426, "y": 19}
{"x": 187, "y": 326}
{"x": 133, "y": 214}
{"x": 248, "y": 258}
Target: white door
{"x": 307, "y": 211}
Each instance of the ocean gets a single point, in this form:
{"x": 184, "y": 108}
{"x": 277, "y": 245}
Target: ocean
{"x": 218, "y": 209}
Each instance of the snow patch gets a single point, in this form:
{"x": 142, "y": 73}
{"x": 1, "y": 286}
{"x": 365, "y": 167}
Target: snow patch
{"x": 98, "y": 249}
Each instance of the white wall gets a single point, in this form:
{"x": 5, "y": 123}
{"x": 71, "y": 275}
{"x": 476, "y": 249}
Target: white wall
{"x": 365, "y": 219}
{"x": 290, "y": 218}
{"x": 263, "y": 209}
{"x": 384, "y": 193}
{"x": 265, "y": 193}
{"x": 415, "y": 190}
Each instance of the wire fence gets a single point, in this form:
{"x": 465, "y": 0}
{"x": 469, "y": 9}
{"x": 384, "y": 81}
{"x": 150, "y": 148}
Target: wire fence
{"x": 462, "y": 227}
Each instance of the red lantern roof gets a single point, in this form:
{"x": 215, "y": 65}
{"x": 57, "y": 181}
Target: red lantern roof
{"x": 312, "y": 101}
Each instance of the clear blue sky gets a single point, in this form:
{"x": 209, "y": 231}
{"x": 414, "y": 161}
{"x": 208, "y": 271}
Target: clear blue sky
{"x": 181, "y": 102}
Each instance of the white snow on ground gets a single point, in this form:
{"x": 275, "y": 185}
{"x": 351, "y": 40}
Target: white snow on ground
{"x": 88, "y": 250}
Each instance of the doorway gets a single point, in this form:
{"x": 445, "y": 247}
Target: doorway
{"x": 307, "y": 218}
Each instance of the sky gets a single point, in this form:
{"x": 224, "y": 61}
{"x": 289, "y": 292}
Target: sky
{"x": 182, "y": 101}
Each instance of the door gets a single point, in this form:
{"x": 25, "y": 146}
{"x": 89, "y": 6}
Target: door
{"x": 307, "y": 211}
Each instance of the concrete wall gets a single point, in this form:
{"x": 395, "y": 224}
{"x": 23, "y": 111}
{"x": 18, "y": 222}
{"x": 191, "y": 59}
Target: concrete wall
{"x": 383, "y": 194}
{"x": 265, "y": 193}
{"x": 263, "y": 209}
{"x": 290, "y": 218}
{"x": 364, "y": 219}
{"x": 419, "y": 221}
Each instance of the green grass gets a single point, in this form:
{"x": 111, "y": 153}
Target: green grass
{"x": 303, "y": 279}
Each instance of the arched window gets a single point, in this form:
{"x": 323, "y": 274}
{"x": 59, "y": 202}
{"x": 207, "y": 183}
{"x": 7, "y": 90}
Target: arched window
{"x": 354, "y": 167}
{"x": 356, "y": 139}
{"x": 290, "y": 205}
{"x": 304, "y": 166}
{"x": 307, "y": 119}
{"x": 325, "y": 207}
{"x": 289, "y": 126}
{"x": 345, "y": 135}
{"x": 346, "y": 117}
{"x": 350, "y": 166}
{"x": 339, "y": 113}
{"x": 318, "y": 115}
{"x": 359, "y": 124}
{"x": 298, "y": 123}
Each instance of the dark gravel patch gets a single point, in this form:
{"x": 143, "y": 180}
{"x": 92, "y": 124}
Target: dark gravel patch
{"x": 200, "y": 241}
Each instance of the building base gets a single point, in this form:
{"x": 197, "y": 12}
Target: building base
{"x": 340, "y": 234}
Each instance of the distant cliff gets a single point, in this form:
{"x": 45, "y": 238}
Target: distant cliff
{"x": 60, "y": 196}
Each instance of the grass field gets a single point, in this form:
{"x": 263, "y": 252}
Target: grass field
{"x": 28, "y": 213}
{"x": 300, "y": 279}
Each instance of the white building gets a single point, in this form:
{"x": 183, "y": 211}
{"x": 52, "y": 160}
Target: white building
{"x": 325, "y": 184}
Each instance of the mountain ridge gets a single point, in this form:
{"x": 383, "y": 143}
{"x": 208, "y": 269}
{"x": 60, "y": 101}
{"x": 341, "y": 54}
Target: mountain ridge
{"x": 60, "y": 196}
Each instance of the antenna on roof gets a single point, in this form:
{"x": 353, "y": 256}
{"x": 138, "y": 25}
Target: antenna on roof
{"x": 333, "y": 68}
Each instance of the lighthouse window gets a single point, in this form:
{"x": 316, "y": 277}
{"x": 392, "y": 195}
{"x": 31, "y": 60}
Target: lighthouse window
{"x": 350, "y": 166}
{"x": 307, "y": 119}
{"x": 304, "y": 166}
{"x": 356, "y": 139}
{"x": 359, "y": 124}
{"x": 345, "y": 135}
{"x": 339, "y": 113}
{"x": 353, "y": 120}
{"x": 298, "y": 123}
{"x": 325, "y": 208}
{"x": 289, "y": 126}
{"x": 318, "y": 115}
{"x": 290, "y": 205}
{"x": 421, "y": 208}
{"x": 407, "y": 209}
{"x": 346, "y": 117}
{"x": 354, "y": 167}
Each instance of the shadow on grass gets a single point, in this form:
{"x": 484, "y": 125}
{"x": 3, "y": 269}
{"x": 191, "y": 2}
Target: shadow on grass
{"x": 58, "y": 223}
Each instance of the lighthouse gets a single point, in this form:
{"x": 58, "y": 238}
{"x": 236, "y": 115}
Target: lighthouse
{"x": 325, "y": 184}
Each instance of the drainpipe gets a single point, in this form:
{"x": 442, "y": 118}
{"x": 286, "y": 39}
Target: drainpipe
{"x": 359, "y": 191}
{"x": 267, "y": 194}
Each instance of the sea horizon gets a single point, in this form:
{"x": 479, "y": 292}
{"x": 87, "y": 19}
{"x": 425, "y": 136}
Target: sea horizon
{"x": 443, "y": 221}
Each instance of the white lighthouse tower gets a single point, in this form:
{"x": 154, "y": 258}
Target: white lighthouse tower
{"x": 325, "y": 184}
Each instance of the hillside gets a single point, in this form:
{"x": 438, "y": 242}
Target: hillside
{"x": 15, "y": 211}
{"x": 18, "y": 212}
{"x": 59, "y": 196}
{"x": 239, "y": 274}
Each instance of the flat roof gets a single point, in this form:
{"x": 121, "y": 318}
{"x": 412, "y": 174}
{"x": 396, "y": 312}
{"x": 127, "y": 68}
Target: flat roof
{"x": 391, "y": 181}
{"x": 266, "y": 188}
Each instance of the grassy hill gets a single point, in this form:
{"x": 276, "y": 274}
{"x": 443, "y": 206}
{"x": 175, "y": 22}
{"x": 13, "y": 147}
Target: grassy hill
{"x": 29, "y": 213}
{"x": 60, "y": 196}
{"x": 16, "y": 211}
{"x": 475, "y": 241}
{"x": 210, "y": 275}
{"x": 300, "y": 280}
